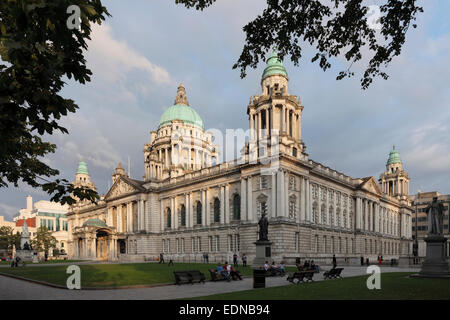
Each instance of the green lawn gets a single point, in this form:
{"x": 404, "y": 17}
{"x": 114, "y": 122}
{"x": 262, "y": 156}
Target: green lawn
{"x": 394, "y": 286}
{"x": 115, "y": 275}
{"x": 44, "y": 262}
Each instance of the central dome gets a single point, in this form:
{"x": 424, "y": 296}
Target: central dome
{"x": 181, "y": 111}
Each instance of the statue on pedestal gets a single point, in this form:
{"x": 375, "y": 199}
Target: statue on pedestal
{"x": 435, "y": 213}
{"x": 263, "y": 228}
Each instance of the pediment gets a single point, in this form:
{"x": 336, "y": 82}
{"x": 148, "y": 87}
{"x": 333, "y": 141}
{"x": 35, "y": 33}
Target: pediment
{"x": 120, "y": 188}
{"x": 371, "y": 185}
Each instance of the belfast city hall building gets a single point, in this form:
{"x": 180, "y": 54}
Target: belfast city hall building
{"x": 189, "y": 204}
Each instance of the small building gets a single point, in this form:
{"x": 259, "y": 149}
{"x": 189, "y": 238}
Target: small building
{"x": 47, "y": 214}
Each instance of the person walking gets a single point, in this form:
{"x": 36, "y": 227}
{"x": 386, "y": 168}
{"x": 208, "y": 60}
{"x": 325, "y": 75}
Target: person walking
{"x": 244, "y": 260}
{"x": 161, "y": 258}
{"x": 334, "y": 262}
{"x": 235, "y": 260}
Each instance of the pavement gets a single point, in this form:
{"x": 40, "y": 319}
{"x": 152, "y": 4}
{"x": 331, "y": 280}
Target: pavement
{"x": 15, "y": 289}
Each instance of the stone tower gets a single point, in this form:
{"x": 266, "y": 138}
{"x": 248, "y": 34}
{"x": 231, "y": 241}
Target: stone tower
{"x": 275, "y": 116}
{"x": 82, "y": 177}
{"x": 395, "y": 181}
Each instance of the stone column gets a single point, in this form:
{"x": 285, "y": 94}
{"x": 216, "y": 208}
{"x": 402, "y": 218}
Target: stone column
{"x": 243, "y": 199}
{"x": 175, "y": 213}
{"x": 222, "y": 208}
{"x": 186, "y": 208}
{"x": 142, "y": 215}
{"x": 191, "y": 211}
{"x": 251, "y": 216}
{"x": 286, "y": 195}
{"x": 273, "y": 199}
{"x": 161, "y": 205}
{"x": 308, "y": 201}
{"x": 358, "y": 213}
{"x": 303, "y": 199}
{"x": 227, "y": 203}
{"x": 172, "y": 214}
{"x": 280, "y": 193}
{"x": 208, "y": 210}
{"x": 128, "y": 217}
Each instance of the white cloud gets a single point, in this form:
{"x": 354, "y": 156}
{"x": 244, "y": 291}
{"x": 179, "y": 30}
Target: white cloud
{"x": 111, "y": 59}
{"x": 8, "y": 211}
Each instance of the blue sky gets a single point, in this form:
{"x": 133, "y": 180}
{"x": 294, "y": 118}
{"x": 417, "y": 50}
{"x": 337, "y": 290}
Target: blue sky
{"x": 141, "y": 54}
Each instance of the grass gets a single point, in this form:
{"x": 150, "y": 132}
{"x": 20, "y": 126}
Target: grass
{"x": 115, "y": 275}
{"x": 394, "y": 286}
{"x": 44, "y": 262}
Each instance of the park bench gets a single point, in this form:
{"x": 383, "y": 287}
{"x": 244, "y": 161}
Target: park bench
{"x": 216, "y": 276}
{"x": 191, "y": 276}
{"x": 333, "y": 273}
{"x": 301, "y": 276}
{"x": 197, "y": 276}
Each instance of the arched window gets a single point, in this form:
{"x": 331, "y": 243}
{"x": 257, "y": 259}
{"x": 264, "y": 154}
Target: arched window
{"x": 216, "y": 210}
{"x": 169, "y": 218}
{"x": 183, "y": 215}
{"x": 237, "y": 207}
{"x": 199, "y": 212}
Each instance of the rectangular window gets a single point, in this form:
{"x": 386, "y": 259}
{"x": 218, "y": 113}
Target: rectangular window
{"x": 193, "y": 244}
{"x": 230, "y": 243}
{"x": 199, "y": 244}
{"x": 164, "y": 246}
{"x": 168, "y": 245}
{"x": 238, "y": 242}
{"x": 211, "y": 246}
{"x": 297, "y": 242}
{"x": 183, "y": 247}
{"x": 217, "y": 243}
{"x": 263, "y": 182}
{"x": 178, "y": 245}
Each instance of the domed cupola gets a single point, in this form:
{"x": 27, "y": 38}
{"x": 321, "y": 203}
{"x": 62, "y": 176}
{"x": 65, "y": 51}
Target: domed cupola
{"x": 274, "y": 66}
{"x": 181, "y": 111}
{"x": 394, "y": 157}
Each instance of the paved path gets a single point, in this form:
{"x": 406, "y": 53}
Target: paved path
{"x": 18, "y": 289}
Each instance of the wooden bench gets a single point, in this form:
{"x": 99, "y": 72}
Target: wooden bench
{"x": 191, "y": 276}
{"x": 301, "y": 276}
{"x": 216, "y": 276}
{"x": 333, "y": 273}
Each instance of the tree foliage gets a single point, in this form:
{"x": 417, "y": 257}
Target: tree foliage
{"x": 334, "y": 28}
{"x": 37, "y": 50}
{"x": 43, "y": 241}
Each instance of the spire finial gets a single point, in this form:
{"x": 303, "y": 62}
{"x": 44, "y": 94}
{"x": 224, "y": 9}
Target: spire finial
{"x": 181, "y": 96}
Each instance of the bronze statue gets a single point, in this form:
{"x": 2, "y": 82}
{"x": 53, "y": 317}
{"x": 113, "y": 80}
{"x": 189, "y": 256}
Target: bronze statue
{"x": 263, "y": 228}
{"x": 435, "y": 213}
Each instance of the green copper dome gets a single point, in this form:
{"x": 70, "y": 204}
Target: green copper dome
{"x": 394, "y": 157}
{"x": 82, "y": 168}
{"x": 95, "y": 223}
{"x": 183, "y": 113}
{"x": 274, "y": 66}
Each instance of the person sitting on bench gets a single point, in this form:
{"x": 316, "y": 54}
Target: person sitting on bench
{"x": 235, "y": 274}
{"x": 226, "y": 271}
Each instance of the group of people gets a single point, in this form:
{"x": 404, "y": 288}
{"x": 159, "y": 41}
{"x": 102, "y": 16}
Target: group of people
{"x": 228, "y": 272}
{"x": 15, "y": 262}
{"x": 274, "y": 268}
{"x": 309, "y": 265}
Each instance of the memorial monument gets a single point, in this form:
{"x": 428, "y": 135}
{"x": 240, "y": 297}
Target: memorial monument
{"x": 435, "y": 264}
{"x": 263, "y": 245}
{"x": 25, "y": 252}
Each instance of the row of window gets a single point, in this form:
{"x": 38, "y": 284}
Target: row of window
{"x": 50, "y": 225}
{"x": 198, "y": 211}
{"x": 233, "y": 244}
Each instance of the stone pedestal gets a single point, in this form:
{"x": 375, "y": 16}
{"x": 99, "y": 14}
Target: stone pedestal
{"x": 263, "y": 253}
{"x": 435, "y": 264}
{"x": 25, "y": 255}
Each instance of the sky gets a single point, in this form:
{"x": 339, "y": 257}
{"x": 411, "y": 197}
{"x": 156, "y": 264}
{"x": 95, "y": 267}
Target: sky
{"x": 140, "y": 55}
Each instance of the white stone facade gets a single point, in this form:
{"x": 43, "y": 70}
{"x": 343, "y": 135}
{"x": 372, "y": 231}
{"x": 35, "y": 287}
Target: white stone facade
{"x": 190, "y": 206}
